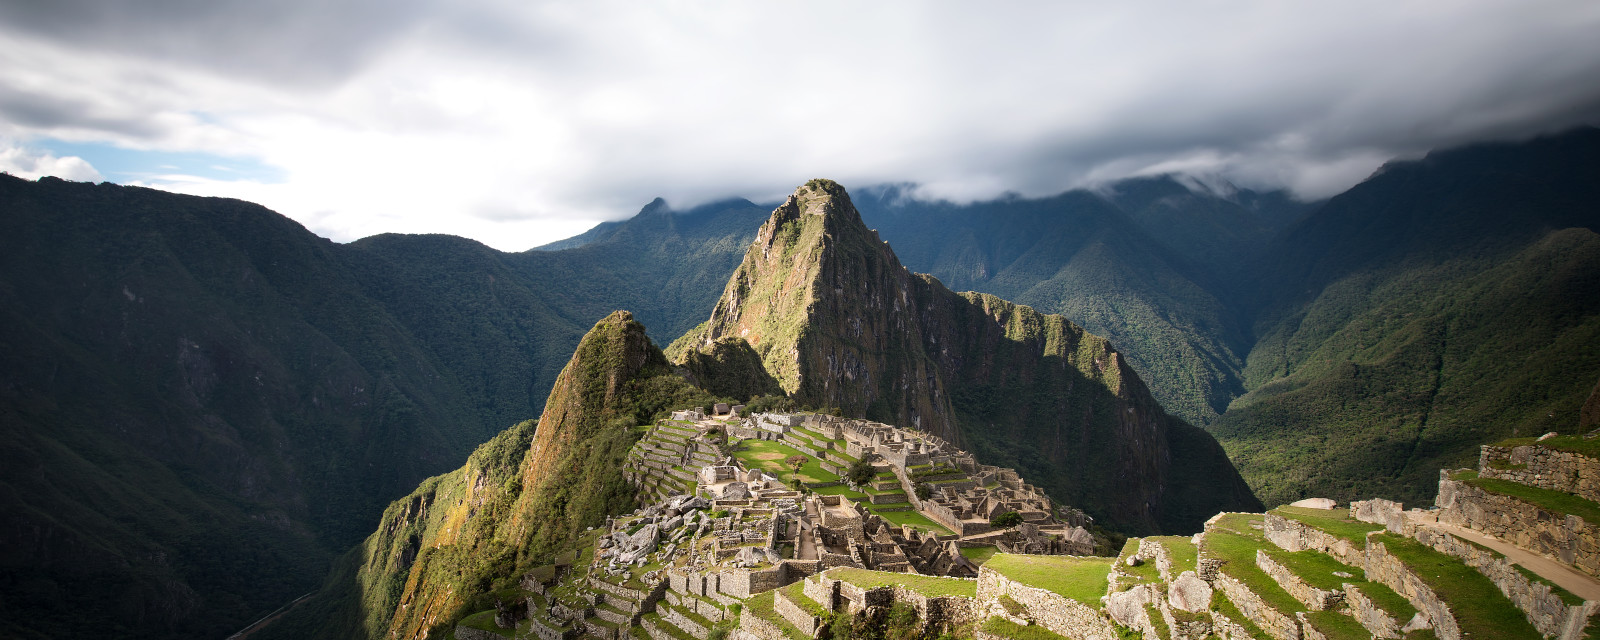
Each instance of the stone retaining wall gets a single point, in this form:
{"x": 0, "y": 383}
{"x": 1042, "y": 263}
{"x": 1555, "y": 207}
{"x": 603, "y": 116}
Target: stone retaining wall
{"x": 1391, "y": 572}
{"x": 1544, "y": 608}
{"x": 1544, "y": 468}
{"x": 1227, "y": 629}
{"x": 796, "y": 615}
{"x": 1293, "y": 535}
{"x": 1050, "y": 610}
{"x": 1568, "y": 538}
{"x": 469, "y": 633}
{"x": 1376, "y": 621}
{"x": 1313, "y": 598}
{"x": 1153, "y": 551}
{"x": 1272, "y": 621}
{"x": 677, "y": 619}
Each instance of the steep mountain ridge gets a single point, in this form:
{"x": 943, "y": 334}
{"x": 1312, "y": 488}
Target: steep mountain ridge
{"x": 201, "y": 401}
{"x": 1443, "y": 303}
{"x": 521, "y": 498}
{"x": 837, "y": 322}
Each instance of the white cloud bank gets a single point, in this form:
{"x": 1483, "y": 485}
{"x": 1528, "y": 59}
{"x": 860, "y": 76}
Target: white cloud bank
{"x": 517, "y": 124}
{"x": 33, "y": 164}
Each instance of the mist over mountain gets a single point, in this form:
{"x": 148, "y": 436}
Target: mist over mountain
{"x": 202, "y": 405}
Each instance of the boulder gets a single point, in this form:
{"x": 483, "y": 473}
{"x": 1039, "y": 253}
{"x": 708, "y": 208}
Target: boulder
{"x": 1128, "y": 607}
{"x": 735, "y": 491}
{"x": 1315, "y": 503}
{"x": 1189, "y": 593}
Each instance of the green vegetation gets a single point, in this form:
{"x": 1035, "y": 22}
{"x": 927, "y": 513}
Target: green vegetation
{"x": 930, "y": 586}
{"x": 1336, "y": 625}
{"x": 770, "y": 456}
{"x": 1235, "y": 542}
{"x": 912, "y": 518}
{"x": 1185, "y": 556}
{"x": 860, "y": 472}
{"x": 1479, "y": 607}
{"x": 979, "y": 555}
{"x": 1005, "y": 520}
{"x": 1558, "y": 502}
{"x": 1081, "y": 579}
{"x": 1336, "y": 522}
{"x": 1007, "y": 629}
{"x": 1225, "y": 607}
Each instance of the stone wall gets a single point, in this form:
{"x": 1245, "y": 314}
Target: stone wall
{"x": 1050, "y": 610}
{"x": 1544, "y": 608}
{"x": 796, "y": 615}
{"x": 1391, "y": 572}
{"x": 1568, "y": 538}
{"x": 677, "y": 619}
{"x": 1270, "y": 620}
{"x": 1388, "y": 513}
{"x": 1154, "y": 551}
{"x": 1228, "y": 629}
{"x": 1292, "y": 535}
{"x": 1313, "y": 598}
{"x": 1543, "y": 467}
{"x": 1376, "y": 621}
{"x": 469, "y": 633}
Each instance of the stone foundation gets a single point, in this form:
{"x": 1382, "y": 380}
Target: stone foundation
{"x": 1050, "y": 610}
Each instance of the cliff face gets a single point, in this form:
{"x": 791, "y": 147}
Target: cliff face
{"x": 838, "y": 322}
{"x": 521, "y": 498}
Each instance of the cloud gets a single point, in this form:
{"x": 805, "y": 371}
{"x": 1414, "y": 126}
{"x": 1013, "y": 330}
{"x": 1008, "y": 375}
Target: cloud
{"x": 33, "y": 164}
{"x": 516, "y": 122}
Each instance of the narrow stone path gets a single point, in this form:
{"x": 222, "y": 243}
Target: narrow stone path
{"x": 1579, "y": 583}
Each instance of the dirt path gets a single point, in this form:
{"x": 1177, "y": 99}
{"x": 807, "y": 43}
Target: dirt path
{"x": 1580, "y": 584}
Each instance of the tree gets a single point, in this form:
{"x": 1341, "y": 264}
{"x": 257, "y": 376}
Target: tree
{"x": 1006, "y": 520}
{"x": 861, "y": 472}
{"x": 924, "y": 491}
{"x": 796, "y": 462}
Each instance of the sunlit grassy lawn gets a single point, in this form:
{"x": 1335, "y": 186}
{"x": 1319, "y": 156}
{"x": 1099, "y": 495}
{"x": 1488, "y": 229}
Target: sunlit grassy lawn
{"x": 1081, "y": 579}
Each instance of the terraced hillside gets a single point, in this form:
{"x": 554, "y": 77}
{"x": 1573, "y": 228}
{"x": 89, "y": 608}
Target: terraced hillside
{"x": 707, "y": 564}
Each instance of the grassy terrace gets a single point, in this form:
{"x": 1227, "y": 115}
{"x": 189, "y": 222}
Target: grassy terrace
{"x": 796, "y": 594}
{"x": 761, "y": 606}
{"x": 930, "y": 586}
{"x": 1185, "y": 556}
{"x": 1235, "y": 542}
{"x": 1337, "y": 626}
{"x": 1552, "y": 501}
{"x": 768, "y": 456}
{"x": 1078, "y": 578}
{"x": 1145, "y": 573}
{"x": 979, "y": 555}
{"x": 1225, "y": 607}
{"x": 1007, "y": 629}
{"x": 912, "y": 518}
{"x": 1479, "y": 607}
{"x": 1336, "y": 522}
{"x": 484, "y": 621}
{"x": 1319, "y": 569}
{"x": 1574, "y": 444}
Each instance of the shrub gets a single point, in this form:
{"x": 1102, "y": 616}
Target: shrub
{"x": 1006, "y": 520}
{"x": 860, "y": 473}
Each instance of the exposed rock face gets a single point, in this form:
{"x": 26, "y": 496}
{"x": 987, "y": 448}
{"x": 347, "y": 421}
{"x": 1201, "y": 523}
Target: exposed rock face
{"x": 836, "y": 321}
{"x": 524, "y": 495}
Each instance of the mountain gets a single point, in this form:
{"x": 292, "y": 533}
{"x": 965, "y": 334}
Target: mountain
{"x": 1150, "y": 263}
{"x": 836, "y": 321}
{"x": 201, "y": 402}
{"x": 1442, "y": 304}
{"x": 522, "y": 497}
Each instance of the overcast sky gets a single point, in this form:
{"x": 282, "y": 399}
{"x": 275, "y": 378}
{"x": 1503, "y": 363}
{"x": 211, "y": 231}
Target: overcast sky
{"x": 517, "y": 123}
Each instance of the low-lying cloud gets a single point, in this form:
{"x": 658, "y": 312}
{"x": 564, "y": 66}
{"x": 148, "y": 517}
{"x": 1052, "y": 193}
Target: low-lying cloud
{"x": 520, "y": 123}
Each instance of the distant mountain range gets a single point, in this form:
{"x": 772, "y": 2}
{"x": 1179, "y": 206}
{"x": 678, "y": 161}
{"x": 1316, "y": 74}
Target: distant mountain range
{"x": 202, "y": 403}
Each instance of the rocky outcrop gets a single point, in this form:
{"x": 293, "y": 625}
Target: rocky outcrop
{"x": 837, "y": 322}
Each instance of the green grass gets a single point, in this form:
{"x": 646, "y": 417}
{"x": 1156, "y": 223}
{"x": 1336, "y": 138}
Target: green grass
{"x": 749, "y": 450}
{"x": 1567, "y": 597}
{"x": 761, "y": 606}
{"x": 1335, "y": 522}
{"x": 1226, "y": 608}
{"x": 979, "y": 555}
{"x": 674, "y": 631}
{"x": 1396, "y": 605}
{"x": 1008, "y": 629}
{"x": 912, "y": 518}
{"x": 841, "y": 490}
{"x": 796, "y": 594}
{"x": 1185, "y": 556}
{"x": 1549, "y": 500}
{"x": 1338, "y": 626}
{"x": 484, "y": 620}
{"x": 1234, "y": 542}
{"x": 1160, "y": 623}
{"x": 1081, "y": 579}
{"x": 930, "y": 586}
{"x": 1479, "y": 607}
